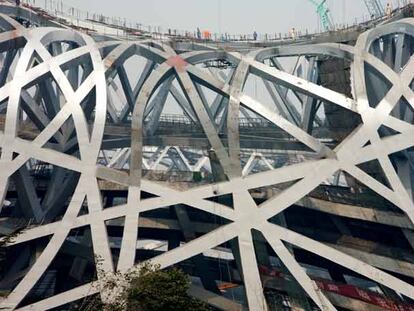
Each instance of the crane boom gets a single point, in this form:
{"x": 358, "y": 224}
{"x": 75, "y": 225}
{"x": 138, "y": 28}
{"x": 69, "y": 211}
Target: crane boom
{"x": 375, "y": 8}
{"x": 323, "y": 12}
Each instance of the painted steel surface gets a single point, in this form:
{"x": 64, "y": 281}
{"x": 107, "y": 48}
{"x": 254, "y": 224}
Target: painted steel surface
{"x": 39, "y": 59}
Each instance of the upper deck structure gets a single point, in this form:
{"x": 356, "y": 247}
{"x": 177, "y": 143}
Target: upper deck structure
{"x": 277, "y": 174}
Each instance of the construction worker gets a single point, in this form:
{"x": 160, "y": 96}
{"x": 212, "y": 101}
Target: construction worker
{"x": 388, "y": 10}
{"x": 254, "y": 35}
{"x": 293, "y": 33}
{"x": 206, "y": 35}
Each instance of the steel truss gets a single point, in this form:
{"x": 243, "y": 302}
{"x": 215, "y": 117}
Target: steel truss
{"x": 51, "y": 76}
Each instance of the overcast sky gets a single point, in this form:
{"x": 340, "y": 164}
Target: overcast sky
{"x": 233, "y": 16}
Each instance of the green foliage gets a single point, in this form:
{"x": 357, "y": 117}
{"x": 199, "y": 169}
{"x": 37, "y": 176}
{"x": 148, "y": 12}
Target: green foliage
{"x": 149, "y": 289}
{"x": 153, "y": 289}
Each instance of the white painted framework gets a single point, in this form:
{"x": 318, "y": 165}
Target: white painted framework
{"x": 246, "y": 215}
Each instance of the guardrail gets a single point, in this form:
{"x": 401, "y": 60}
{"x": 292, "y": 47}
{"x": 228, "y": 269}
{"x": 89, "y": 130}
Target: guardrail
{"x": 125, "y": 28}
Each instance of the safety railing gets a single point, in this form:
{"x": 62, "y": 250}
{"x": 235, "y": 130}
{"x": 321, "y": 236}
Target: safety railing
{"x": 126, "y": 28}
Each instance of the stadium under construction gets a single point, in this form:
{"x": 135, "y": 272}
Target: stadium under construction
{"x": 277, "y": 173}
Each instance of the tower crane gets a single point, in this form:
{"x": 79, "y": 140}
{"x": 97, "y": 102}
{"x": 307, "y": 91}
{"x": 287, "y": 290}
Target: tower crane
{"x": 375, "y": 8}
{"x": 324, "y": 14}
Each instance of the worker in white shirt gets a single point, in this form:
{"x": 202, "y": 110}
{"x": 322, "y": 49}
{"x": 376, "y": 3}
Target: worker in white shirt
{"x": 388, "y": 10}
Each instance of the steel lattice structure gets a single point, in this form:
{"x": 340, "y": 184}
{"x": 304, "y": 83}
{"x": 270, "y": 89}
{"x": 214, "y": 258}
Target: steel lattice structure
{"x": 59, "y": 117}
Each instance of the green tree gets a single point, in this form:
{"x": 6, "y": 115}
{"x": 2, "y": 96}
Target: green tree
{"x": 154, "y": 289}
{"x": 149, "y": 289}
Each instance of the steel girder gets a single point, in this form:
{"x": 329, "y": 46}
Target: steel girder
{"x": 59, "y": 97}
